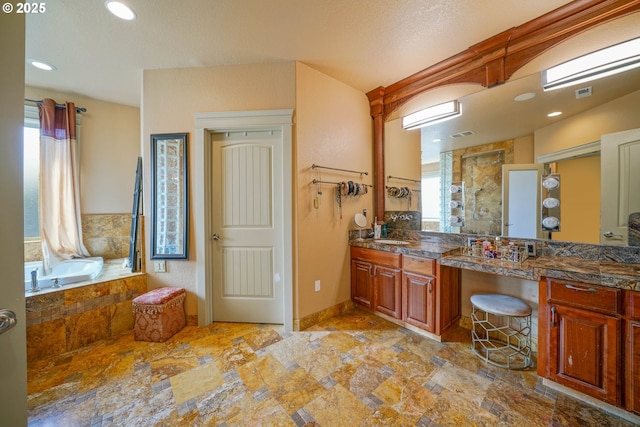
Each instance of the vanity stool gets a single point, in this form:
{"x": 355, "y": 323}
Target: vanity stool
{"x": 501, "y": 330}
{"x": 159, "y": 314}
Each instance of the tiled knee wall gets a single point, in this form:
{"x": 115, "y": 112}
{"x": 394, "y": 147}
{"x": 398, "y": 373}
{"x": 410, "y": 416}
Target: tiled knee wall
{"x": 62, "y": 321}
{"x": 105, "y": 235}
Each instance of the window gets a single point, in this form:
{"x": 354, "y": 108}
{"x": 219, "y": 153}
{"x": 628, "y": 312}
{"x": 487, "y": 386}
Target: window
{"x": 431, "y": 195}
{"x": 31, "y": 153}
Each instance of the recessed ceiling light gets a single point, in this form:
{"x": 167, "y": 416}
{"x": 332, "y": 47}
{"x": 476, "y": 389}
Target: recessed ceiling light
{"x": 120, "y": 10}
{"x": 437, "y": 140}
{"x": 554, "y": 114}
{"x": 525, "y": 96}
{"x": 42, "y": 65}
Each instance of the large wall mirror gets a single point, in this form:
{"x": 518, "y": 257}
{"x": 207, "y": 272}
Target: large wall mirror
{"x": 169, "y": 196}
{"x": 507, "y": 125}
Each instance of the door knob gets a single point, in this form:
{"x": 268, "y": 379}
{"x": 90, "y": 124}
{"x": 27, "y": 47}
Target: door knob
{"x": 215, "y": 236}
{"x": 7, "y": 320}
{"x": 610, "y": 235}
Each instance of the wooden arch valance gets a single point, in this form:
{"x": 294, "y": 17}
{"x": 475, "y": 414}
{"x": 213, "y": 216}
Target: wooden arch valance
{"x": 492, "y": 61}
{"x": 489, "y": 63}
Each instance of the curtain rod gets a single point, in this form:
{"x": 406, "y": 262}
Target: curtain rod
{"x": 78, "y": 109}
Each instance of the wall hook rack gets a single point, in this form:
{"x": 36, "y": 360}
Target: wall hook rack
{"x": 404, "y": 179}
{"x": 314, "y": 166}
{"x": 317, "y": 181}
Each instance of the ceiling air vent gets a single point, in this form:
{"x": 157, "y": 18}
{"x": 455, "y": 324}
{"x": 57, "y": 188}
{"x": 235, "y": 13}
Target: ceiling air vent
{"x": 462, "y": 134}
{"x": 583, "y": 92}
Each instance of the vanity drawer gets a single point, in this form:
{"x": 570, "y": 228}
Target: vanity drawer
{"x": 426, "y": 266}
{"x": 585, "y": 295}
{"x": 377, "y": 257}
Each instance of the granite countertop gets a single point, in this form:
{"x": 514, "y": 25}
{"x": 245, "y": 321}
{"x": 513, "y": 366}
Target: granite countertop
{"x": 604, "y": 273}
{"x": 419, "y": 248}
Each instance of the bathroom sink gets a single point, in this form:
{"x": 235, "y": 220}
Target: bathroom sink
{"x": 391, "y": 242}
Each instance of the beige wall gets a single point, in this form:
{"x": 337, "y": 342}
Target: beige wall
{"x": 109, "y": 148}
{"x": 523, "y": 150}
{"x": 615, "y": 116}
{"x": 13, "y": 359}
{"x": 400, "y": 146}
{"x": 579, "y": 200}
{"x": 170, "y": 98}
{"x": 333, "y": 129}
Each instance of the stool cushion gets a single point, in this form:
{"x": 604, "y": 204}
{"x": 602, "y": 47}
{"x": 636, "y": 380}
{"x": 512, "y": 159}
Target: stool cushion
{"x": 155, "y": 300}
{"x": 503, "y": 305}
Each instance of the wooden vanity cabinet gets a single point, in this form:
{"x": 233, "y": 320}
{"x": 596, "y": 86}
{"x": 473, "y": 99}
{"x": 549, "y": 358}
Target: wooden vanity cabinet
{"x": 419, "y": 292}
{"x": 430, "y": 294}
{"x": 376, "y": 278}
{"x": 632, "y": 351}
{"x": 580, "y": 337}
{"x": 416, "y": 290}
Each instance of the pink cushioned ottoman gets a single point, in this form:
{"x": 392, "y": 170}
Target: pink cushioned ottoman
{"x": 159, "y": 314}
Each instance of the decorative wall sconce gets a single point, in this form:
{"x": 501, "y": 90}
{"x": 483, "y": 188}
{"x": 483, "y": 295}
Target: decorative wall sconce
{"x": 550, "y": 202}
{"x": 456, "y": 204}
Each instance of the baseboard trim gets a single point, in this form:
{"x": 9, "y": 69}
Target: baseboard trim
{"x": 315, "y": 318}
{"x": 626, "y": 415}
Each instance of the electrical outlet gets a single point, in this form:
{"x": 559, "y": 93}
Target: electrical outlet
{"x": 530, "y": 247}
{"x": 317, "y": 285}
{"x": 159, "y": 267}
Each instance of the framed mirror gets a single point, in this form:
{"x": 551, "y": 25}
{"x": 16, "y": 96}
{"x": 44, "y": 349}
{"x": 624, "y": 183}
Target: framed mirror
{"x": 466, "y": 148}
{"x": 169, "y": 196}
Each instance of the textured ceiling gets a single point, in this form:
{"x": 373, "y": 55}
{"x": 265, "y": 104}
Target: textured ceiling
{"x": 364, "y": 43}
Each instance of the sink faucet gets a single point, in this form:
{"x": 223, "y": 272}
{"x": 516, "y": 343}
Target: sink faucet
{"x": 34, "y": 281}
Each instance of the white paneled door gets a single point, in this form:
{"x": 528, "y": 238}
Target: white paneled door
{"x": 521, "y": 200}
{"x": 619, "y": 178}
{"x": 247, "y": 226}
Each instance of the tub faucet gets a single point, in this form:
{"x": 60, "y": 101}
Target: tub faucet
{"x": 34, "y": 281}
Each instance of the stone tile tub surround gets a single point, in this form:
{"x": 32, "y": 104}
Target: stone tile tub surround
{"x": 104, "y": 235}
{"x": 71, "y": 318}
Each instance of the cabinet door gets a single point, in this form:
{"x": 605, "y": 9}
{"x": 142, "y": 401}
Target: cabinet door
{"x": 447, "y": 307}
{"x": 418, "y": 300}
{"x": 584, "y": 351}
{"x": 632, "y": 374}
{"x": 387, "y": 288}
{"x": 361, "y": 282}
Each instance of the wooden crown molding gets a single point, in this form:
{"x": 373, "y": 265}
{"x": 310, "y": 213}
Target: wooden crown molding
{"x": 492, "y": 61}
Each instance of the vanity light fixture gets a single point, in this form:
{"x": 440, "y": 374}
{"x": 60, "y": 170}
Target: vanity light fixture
{"x": 120, "y": 10}
{"x": 432, "y": 115}
{"x": 601, "y": 63}
{"x": 42, "y": 65}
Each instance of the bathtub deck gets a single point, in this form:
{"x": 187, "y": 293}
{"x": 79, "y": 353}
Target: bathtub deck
{"x": 61, "y": 320}
{"x": 112, "y": 269}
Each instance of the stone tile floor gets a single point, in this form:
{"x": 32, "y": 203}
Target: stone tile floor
{"x": 351, "y": 370}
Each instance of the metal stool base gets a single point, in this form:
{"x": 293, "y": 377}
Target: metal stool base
{"x": 503, "y": 341}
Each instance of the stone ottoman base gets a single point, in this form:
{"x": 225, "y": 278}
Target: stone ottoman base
{"x": 159, "y": 314}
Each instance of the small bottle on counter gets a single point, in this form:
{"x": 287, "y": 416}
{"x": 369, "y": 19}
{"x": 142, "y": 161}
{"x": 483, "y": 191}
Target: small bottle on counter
{"x": 383, "y": 230}
{"x": 377, "y": 230}
{"x": 486, "y": 248}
